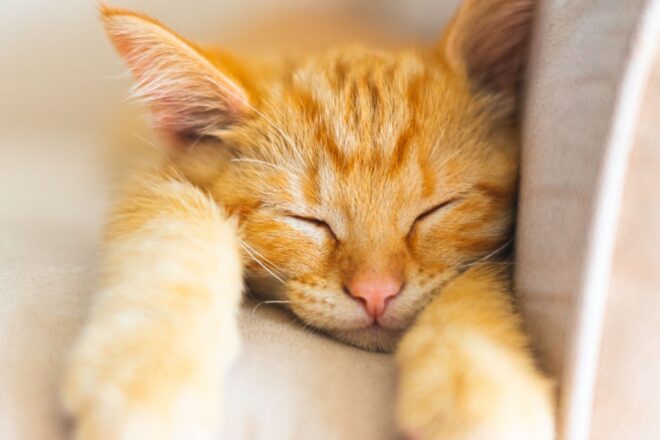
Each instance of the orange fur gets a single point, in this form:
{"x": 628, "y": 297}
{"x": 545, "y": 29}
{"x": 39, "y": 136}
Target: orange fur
{"x": 330, "y": 164}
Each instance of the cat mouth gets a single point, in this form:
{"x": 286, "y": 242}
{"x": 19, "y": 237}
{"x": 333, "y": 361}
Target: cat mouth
{"x": 372, "y": 337}
{"x": 376, "y": 325}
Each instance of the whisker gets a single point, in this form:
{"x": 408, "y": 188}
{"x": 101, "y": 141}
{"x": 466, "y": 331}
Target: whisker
{"x": 260, "y": 263}
{"x": 274, "y": 266}
{"x": 489, "y": 255}
{"x": 269, "y": 302}
{"x": 260, "y": 162}
{"x": 502, "y": 263}
{"x": 149, "y": 143}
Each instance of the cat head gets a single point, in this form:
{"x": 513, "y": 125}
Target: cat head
{"x": 363, "y": 180}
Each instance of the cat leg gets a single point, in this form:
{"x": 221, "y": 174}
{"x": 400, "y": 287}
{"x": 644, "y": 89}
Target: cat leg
{"x": 162, "y": 330}
{"x": 466, "y": 370}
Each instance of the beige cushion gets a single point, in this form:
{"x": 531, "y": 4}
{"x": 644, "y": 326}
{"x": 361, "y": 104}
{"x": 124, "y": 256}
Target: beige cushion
{"x": 59, "y": 80}
{"x": 627, "y": 396}
{"x": 580, "y": 235}
{"x": 288, "y": 383}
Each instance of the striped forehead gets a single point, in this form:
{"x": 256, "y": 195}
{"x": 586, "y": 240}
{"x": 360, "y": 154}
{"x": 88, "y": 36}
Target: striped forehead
{"x": 359, "y": 104}
{"x": 360, "y": 126}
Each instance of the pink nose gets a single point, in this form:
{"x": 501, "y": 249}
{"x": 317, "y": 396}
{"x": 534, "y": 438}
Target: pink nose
{"x": 374, "y": 292}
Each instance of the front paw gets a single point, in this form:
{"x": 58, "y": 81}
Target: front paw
{"x": 471, "y": 389}
{"x": 145, "y": 382}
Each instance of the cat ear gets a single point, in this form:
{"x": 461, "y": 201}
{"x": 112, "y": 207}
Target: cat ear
{"x": 488, "y": 41}
{"x": 190, "y": 95}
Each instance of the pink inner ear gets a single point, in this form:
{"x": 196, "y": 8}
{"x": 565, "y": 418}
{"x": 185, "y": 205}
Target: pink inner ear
{"x": 189, "y": 96}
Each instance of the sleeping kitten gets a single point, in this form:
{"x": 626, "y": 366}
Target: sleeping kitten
{"x": 366, "y": 190}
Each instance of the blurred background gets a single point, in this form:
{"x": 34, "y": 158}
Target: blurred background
{"x": 58, "y": 71}
{"x": 63, "y": 90}
{"x": 64, "y": 114}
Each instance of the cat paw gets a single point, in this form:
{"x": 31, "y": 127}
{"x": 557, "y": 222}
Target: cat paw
{"x": 140, "y": 385}
{"x": 472, "y": 391}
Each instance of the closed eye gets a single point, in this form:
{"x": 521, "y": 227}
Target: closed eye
{"x": 437, "y": 208}
{"x": 315, "y": 222}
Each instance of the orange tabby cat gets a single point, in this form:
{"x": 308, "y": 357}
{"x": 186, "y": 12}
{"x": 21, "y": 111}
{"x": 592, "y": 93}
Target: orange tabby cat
{"x": 365, "y": 189}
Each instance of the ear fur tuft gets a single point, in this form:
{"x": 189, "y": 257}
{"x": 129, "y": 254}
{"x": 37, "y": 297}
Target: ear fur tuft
{"x": 189, "y": 95}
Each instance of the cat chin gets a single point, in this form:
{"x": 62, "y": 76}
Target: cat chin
{"x": 372, "y": 338}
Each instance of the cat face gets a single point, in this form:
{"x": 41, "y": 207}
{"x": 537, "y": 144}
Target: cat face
{"x": 363, "y": 180}
{"x": 366, "y": 172}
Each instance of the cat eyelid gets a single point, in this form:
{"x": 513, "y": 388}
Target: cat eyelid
{"x": 429, "y": 212}
{"x": 316, "y": 222}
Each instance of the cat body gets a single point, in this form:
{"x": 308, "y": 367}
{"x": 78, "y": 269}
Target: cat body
{"x": 364, "y": 189}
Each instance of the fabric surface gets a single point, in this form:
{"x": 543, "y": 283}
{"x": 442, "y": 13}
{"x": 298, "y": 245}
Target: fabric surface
{"x": 589, "y": 74}
{"x": 289, "y": 383}
{"x": 627, "y": 396}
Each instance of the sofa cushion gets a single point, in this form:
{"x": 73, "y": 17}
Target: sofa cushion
{"x": 288, "y": 383}
{"x": 590, "y": 69}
